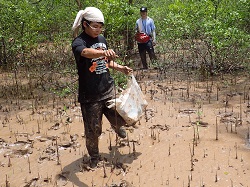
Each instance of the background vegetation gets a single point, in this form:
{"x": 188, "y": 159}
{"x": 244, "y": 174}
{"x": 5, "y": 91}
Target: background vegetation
{"x": 211, "y": 36}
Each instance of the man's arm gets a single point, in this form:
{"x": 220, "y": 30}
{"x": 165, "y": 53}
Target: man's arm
{"x": 154, "y": 37}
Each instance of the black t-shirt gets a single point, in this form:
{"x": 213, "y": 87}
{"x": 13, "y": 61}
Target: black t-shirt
{"x": 95, "y": 81}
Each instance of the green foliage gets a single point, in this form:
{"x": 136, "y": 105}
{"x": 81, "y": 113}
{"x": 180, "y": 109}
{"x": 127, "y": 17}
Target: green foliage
{"x": 24, "y": 24}
{"x": 119, "y": 78}
{"x": 223, "y": 25}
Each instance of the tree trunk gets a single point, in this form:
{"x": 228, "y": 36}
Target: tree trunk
{"x": 3, "y": 56}
{"x": 79, "y": 4}
{"x": 130, "y": 35}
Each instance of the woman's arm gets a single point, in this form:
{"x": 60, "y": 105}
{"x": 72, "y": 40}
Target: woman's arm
{"x": 124, "y": 69}
{"x": 95, "y": 53}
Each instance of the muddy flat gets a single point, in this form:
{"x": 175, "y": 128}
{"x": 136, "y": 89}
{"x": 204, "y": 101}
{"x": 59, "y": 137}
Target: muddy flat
{"x": 193, "y": 134}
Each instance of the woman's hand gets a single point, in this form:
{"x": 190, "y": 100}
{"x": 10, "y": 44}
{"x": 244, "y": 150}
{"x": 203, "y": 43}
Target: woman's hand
{"x": 110, "y": 54}
{"x": 126, "y": 70}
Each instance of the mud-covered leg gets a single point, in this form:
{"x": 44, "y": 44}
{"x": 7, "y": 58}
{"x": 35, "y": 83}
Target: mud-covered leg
{"x": 92, "y": 117}
{"x": 117, "y": 122}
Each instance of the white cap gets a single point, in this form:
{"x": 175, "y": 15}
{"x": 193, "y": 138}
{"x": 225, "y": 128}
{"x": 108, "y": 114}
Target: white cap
{"x": 89, "y": 13}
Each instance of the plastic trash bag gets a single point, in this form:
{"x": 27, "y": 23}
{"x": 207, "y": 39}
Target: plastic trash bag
{"x": 131, "y": 104}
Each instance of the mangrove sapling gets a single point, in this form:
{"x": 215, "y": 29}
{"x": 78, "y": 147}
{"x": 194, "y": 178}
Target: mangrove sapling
{"x": 134, "y": 151}
{"x": 248, "y": 134}
{"x": 38, "y": 127}
{"x": 169, "y": 150}
{"x": 232, "y": 126}
{"x": 128, "y": 141}
{"x": 92, "y": 182}
{"x": 248, "y": 99}
{"x": 244, "y": 94}
{"x": 169, "y": 109}
{"x": 17, "y": 92}
{"x": 217, "y": 130}
{"x": 129, "y": 150}
{"x": 7, "y": 183}
{"x": 236, "y": 125}
{"x": 191, "y": 160}
{"x": 197, "y": 128}
{"x": 216, "y": 177}
{"x": 152, "y": 133}
{"x": 104, "y": 170}
{"x": 240, "y": 112}
{"x": 202, "y": 183}
{"x": 110, "y": 145}
{"x": 57, "y": 153}
{"x": 217, "y": 92}
{"x": 167, "y": 181}
{"x": 227, "y": 125}
{"x": 236, "y": 150}
{"x": 158, "y": 136}
{"x": 194, "y": 140}
{"x": 188, "y": 86}
{"x": 9, "y": 162}
{"x": 189, "y": 181}
{"x": 194, "y": 143}
{"x": 29, "y": 164}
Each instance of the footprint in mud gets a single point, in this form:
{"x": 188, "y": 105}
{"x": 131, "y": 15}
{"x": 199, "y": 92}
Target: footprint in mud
{"x": 150, "y": 113}
{"x": 37, "y": 182}
{"x": 32, "y": 182}
{"x": 3, "y": 143}
{"x": 56, "y": 126}
{"x": 200, "y": 123}
{"x": 18, "y": 149}
{"x": 161, "y": 127}
{"x": 74, "y": 137}
{"x": 122, "y": 166}
{"x": 48, "y": 154}
{"x": 226, "y": 114}
{"x": 187, "y": 111}
{"x": 45, "y": 138}
{"x": 122, "y": 183}
{"x": 227, "y": 120}
{"x": 62, "y": 178}
{"x": 65, "y": 144}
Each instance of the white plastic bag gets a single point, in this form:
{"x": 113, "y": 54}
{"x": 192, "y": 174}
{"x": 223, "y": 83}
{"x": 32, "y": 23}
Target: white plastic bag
{"x": 131, "y": 104}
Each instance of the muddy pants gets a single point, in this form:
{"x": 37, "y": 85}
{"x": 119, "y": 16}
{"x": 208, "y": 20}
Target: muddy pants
{"x": 146, "y": 47}
{"x": 92, "y": 116}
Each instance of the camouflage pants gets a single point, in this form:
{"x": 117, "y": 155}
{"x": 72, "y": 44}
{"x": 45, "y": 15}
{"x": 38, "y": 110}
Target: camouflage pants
{"x": 92, "y": 116}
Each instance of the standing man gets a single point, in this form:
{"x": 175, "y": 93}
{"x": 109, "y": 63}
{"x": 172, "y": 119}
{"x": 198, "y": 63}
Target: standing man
{"x": 96, "y": 86}
{"x": 146, "y": 25}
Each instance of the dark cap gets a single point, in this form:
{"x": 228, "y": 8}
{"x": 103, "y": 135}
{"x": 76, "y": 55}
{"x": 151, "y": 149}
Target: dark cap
{"x": 143, "y": 9}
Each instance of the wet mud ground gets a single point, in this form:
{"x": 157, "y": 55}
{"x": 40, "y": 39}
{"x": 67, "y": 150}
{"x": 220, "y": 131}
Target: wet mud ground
{"x": 193, "y": 134}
